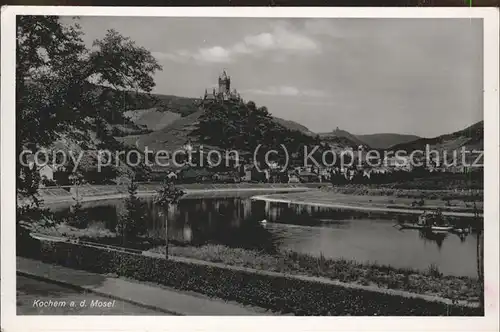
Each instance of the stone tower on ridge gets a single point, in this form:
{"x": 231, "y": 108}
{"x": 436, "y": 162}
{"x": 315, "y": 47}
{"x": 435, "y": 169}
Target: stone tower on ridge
{"x": 223, "y": 92}
{"x": 224, "y": 83}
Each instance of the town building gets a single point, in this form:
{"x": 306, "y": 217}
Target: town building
{"x": 46, "y": 174}
{"x": 400, "y": 163}
{"x": 307, "y": 176}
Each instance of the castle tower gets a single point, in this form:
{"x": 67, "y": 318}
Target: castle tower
{"x": 224, "y": 83}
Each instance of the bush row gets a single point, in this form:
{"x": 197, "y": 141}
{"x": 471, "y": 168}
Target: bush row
{"x": 278, "y": 293}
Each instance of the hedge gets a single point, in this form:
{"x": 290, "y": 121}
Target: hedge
{"x": 280, "y": 294}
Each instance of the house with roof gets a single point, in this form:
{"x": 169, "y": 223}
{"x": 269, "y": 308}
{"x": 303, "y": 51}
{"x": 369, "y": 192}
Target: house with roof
{"x": 399, "y": 163}
{"x": 194, "y": 175}
{"x": 293, "y": 177}
{"x": 306, "y": 176}
{"x": 46, "y": 174}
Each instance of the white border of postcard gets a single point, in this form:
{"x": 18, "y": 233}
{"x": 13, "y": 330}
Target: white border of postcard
{"x": 11, "y": 322}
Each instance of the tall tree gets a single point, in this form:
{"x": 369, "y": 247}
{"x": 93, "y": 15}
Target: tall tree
{"x": 133, "y": 221}
{"x": 168, "y": 196}
{"x": 63, "y": 88}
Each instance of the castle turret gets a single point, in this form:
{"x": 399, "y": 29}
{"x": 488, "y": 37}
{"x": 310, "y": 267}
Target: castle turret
{"x": 223, "y": 93}
{"x": 224, "y": 83}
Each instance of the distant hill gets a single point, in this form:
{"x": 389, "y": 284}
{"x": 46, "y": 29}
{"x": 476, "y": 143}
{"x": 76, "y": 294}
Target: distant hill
{"x": 152, "y": 118}
{"x": 374, "y": 141}
{"x": 177, "y": 133}
{"x": 386, "y": 140}
{"x": 339, "y": 136}
{"x": 175, "y": 104}
{"x": 292, "y": 125}
{"x": 172, "y": 130}
{"x": 172, "y": 136}
{"x": 141, "y": 101}
{"x": 162, "y": 110}
{"x": 472, "y": 138}
{"x": 171, "y": 117}
{"x": 159, "y": 120}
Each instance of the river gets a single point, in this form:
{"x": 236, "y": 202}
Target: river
{"x": 358, "y": 235}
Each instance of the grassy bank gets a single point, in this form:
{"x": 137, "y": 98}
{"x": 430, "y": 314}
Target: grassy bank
{"x": 54, "y": 195}
{"x": 429, "y": 194}
{"x": 383, "y": 198}
{"x": 278, "y": 292}
{"x": 430, "y": 282}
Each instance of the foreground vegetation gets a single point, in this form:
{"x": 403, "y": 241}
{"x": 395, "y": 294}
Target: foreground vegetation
{"x": 430, "y": 282}
{"x": 279, "y": 293}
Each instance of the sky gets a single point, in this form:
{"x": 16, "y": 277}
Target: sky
{"x": 363, "y": 75}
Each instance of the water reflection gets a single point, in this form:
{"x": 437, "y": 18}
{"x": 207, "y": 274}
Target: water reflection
{"x": 335, "y": 233}
{"x": 429, "y": 236}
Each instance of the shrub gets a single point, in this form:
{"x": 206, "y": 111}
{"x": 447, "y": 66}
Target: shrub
{"x": 276, "y": 292}
{"x": 433, "y": 271}
{"x": 168, "y": 194}
{"x": 77, "y": 217}
{"x": 132, "y": 223}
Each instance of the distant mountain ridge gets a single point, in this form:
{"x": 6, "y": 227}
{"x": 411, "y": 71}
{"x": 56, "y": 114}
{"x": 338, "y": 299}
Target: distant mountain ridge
{"x": 374, "y": 141}
{"x": 339, "y": 135}
{"x": 163, "y": 110}
{"x": 386, "y": 140}
{"x": 292, "y": 125}
{"x": 171, "y": 118}
{"x": 472, "y": 138}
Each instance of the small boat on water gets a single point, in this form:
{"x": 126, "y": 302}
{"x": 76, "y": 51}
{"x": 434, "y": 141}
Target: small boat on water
{"x": 434, "y": 223}
{"x": 461, "y": 231}
{"x": 426, "y": 227}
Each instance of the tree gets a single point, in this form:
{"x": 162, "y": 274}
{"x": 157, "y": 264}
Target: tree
{"x": 167, "y": 196}
{"x": 244, "y": 127}
{"x": 63, "y": 88}
{"x": 132, "y": 223}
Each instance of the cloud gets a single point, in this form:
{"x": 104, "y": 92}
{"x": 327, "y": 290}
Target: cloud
{"x": 214, "y": 54}
{"x": 289, "y": 91}
{"x": 323, "y": 26}
{"x": 281, "y": 39}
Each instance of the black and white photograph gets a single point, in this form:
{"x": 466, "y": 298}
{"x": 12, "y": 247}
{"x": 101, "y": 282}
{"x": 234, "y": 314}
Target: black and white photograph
{"x": 225, "y": 165}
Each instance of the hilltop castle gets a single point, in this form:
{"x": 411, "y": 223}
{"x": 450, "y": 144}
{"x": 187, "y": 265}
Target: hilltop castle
{"x": 223, "y": 93}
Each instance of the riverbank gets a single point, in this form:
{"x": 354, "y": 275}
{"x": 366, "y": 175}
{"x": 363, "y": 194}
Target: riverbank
{"x": 279, "y": 292}
{"x": 332, "y": 199}
{"x": 432, "y": 282}
{"x": 452, "y": 196}
{"x": 429, "y": 282}
{"x": 88, "y": 193}
{"x": 451, "y": 200}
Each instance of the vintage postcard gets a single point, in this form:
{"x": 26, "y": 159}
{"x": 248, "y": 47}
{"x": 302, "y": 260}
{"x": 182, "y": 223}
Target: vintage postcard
{"x": 239, "y": 165}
